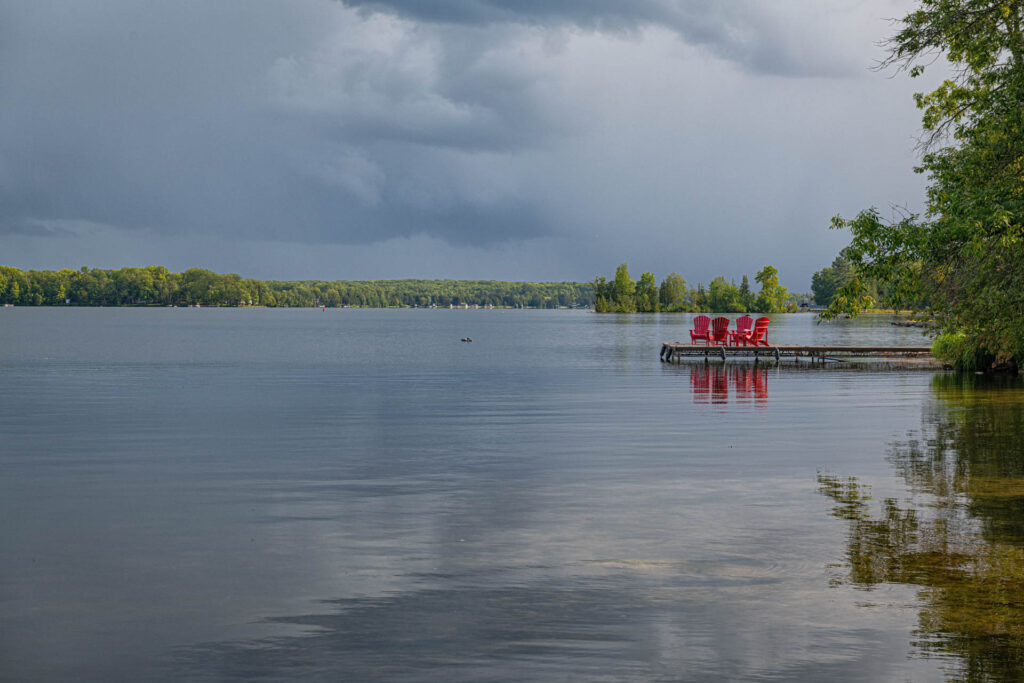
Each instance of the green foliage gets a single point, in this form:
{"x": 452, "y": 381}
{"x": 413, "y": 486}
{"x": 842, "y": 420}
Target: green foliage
{"x": 646, "y": 294}
{"x": 960, "y": 351}
{"x": 622, "y": 295}
{"x": 827, "y": 281}
{"x": 602, "y": 296}
{"x": 623, "y": 291}
{"x": 964, "y": 260}
{"x": 773, "y": 297}
{"x": 672, "y": 295}
{"x": 157, "y": 286}
{"x": 724, "y": 297}
{"x": 747, "y": 297}
{"x": 700, "y": 299}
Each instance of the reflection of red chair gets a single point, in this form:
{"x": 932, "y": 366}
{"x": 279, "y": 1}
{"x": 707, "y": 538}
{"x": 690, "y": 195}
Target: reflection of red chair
{"x": 709, "y": 384}
{"x": 759, "y": 337}
{"x": 742, "y": 383}
{"x": 719, "y": 385}
{"x": 700, "y": 383}
{"x": 743, "y": 331}
{"x": 761, "y": 385}
{"x": 720, "y": 331}
{"x": 700, "y": 329}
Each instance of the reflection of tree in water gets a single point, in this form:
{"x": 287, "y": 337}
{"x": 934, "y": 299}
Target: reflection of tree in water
{"x": 965, "y": 548}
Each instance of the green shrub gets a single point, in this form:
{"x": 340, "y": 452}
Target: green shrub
{"x": 961, "y": 351}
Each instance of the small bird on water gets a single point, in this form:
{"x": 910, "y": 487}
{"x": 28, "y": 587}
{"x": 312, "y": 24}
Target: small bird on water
{"x": 466, "y": 339}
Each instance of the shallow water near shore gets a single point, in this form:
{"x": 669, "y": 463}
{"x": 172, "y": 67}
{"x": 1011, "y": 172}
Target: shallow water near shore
{"x": 219, "y": 494}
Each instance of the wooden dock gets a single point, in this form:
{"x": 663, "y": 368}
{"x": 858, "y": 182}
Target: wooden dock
{"x": 676, "y": 351}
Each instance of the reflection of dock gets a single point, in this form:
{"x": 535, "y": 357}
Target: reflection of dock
{"x": 676, "y": 351}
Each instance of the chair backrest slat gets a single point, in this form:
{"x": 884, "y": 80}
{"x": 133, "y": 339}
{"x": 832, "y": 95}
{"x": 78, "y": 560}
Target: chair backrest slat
{"x": 760, "y": 334}
{"x": 720, "y": 329}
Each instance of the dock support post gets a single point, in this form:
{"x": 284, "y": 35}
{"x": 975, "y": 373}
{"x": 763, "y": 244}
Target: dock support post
{"x": 722, "y": 351}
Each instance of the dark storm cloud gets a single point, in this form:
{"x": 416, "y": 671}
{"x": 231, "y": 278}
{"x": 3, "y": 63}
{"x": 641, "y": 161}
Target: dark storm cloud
{"x": 747, "y": 33}
{"x": 440, "y": 138}
{"x": 293, "y": 121}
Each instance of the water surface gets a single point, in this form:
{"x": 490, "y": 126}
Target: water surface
{"x": 356, "y": 494}
{"x": 957, "y": 534}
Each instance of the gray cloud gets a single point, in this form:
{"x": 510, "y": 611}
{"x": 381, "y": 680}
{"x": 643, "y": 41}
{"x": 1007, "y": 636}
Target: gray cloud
{"x": 443, "y": 135}
{"x": 760, "y": 37}
{"x": 300, "y": 121}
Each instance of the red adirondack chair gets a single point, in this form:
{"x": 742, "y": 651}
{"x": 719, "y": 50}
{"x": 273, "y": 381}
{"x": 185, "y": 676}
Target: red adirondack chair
{"x": 742, "y": 333}
{"x": 700, "y": 329}
{"x": 720, "y": 331}
{"x": 759, "y": 337}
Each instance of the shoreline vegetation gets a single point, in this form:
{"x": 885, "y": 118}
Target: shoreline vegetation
{"x": 623, "y": 295}
{"x": 158, "y": 286}
{"x": 962, "y": 261}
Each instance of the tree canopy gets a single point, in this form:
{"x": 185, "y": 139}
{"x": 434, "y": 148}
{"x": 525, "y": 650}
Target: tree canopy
{"x": 964, "y": 259}
{"x": 773, "y": 296}
{"x": 827, "y": 281}
{"x": 622, "y": 295}
{"x": 672, "y": 294}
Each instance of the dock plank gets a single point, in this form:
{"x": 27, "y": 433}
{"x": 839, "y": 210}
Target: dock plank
{"x": 673, "y": 350}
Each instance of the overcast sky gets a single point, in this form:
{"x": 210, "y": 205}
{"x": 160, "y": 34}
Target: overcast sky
{"x": 494, "y": 139}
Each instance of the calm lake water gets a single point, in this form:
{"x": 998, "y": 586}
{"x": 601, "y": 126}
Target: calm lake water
{"x": 357, "y": 495}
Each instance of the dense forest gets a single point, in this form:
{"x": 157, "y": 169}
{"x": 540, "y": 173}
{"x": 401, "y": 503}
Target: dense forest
{"x": 158, "y": 286}
{"x": 623, "y": 295}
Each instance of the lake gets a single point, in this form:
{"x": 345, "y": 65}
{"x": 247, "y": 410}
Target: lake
{"x": 219, "y": 494}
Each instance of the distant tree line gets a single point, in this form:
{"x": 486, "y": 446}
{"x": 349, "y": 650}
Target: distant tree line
{"x": 158, "y": 286}
{"x": 623, "y": 295}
